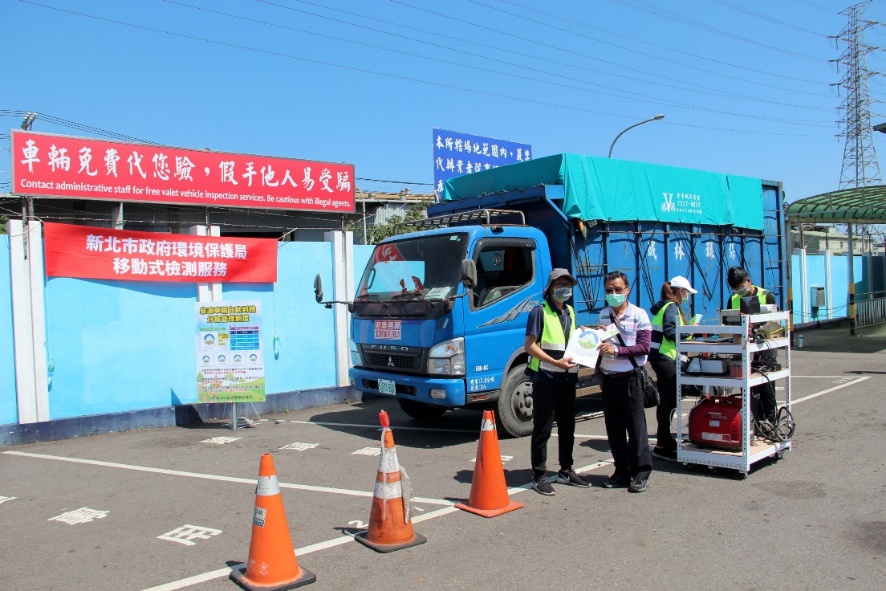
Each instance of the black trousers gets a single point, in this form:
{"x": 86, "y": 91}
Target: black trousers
{"x": 625, "y": 420}
{"x": 666, "y": 374}
{"x": 763, "y": 404}
{"x": 550, "y": 399}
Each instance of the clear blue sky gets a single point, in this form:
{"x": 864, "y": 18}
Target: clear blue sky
{"x": 746, "y": 85}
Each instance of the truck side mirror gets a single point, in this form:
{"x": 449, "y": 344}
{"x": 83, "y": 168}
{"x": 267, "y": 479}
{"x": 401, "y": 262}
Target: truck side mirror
{"x": 469, "y": 273}
{"x": 318, "y": 288}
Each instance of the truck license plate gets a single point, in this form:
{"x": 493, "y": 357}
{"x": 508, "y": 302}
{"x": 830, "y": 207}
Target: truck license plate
{"x": 387, "y": 387}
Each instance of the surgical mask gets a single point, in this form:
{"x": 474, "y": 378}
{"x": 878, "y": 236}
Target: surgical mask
{"x": 742, "y": 291}
{"x": 561, "y": 294}
{"x": 615, "y": 299}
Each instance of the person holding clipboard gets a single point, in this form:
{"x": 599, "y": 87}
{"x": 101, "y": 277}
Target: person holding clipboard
{"x": 554, "y": 377}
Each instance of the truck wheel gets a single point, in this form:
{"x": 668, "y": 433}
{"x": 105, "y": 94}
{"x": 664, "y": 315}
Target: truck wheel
{"x": 419, "y": 411}
{"x": 515, "y": 404}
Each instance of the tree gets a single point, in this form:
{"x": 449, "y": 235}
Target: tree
{"x": 377, "y": 233}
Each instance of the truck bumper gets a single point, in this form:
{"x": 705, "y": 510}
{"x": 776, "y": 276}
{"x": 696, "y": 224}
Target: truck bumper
{"x": 448, "y": 392}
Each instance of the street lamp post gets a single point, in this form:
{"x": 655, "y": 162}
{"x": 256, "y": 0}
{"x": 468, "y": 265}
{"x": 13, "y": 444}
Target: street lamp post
{"x": 625, "y": 130}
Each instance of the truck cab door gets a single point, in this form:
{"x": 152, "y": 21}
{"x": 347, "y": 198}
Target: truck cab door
{"x": 508, "y": 286}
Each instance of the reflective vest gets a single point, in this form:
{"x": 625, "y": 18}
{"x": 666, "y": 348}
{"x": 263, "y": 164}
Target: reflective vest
{"x": 553, "y": 341}
{"x": 665, "y": 346}
{"x": 735, "y": 300}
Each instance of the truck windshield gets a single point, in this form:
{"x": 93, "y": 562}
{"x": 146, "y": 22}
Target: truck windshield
{"x": 422, "y": 268}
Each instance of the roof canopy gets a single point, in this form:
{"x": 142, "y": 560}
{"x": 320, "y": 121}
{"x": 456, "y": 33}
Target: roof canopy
{"x": 861, "y": 205}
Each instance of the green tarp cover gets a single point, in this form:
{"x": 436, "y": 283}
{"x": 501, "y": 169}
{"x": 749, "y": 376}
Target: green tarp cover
{"x": 621, "y": 190}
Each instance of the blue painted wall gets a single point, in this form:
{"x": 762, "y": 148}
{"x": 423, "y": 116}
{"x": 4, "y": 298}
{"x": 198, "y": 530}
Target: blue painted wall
{"x": 122, "y": 346}
{"x": 127, "y": 346}
{"x": 118, "y": 346}
{"x": 864, "y": 273}
{"x": 8, "y": 405}
{"x": 289, "y": 310}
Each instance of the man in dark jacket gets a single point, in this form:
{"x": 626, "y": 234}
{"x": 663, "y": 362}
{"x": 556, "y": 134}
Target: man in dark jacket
{"x": 763, "y": 404}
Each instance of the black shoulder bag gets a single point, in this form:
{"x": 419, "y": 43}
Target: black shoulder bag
{"x": 650, "y": 391}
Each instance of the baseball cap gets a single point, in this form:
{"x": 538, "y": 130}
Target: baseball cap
{"x": 681, "y": 282}
{"x": 557, "y": 274}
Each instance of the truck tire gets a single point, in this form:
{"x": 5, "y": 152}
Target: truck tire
{"x": 515, "y": 404}
{"x": 419, "y": 411}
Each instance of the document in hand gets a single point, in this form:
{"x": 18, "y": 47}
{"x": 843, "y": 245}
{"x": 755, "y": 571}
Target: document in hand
{"x": 582, "y": 345}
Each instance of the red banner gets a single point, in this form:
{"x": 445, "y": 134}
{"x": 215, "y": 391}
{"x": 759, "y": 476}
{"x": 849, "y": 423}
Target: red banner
{"x": 61, "y": 166}
{"x": 88, "y": 252}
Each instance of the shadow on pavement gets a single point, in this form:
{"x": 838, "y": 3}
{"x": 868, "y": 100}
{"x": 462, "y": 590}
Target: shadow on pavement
{"x": 838, "y": 340}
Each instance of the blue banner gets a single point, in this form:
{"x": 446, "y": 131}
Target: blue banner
{"x": 457, "y": 154}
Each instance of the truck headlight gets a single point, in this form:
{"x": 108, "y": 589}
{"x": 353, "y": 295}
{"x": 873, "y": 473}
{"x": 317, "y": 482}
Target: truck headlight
{"x": 356, "y": 359}
{"x": 447, "y": 358}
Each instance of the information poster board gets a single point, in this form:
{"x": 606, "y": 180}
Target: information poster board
{"x": 457, "y": 153}
{"x": 230, "y": 365}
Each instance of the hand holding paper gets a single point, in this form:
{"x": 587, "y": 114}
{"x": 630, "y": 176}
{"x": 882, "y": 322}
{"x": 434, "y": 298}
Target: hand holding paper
{"x": 583, "y": 343}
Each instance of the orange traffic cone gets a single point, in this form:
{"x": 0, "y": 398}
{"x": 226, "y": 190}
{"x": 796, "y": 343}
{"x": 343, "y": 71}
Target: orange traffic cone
{"x": 390, "y": 521}
{"x": 272, "y": 563}
{"x": 489, "y": 493}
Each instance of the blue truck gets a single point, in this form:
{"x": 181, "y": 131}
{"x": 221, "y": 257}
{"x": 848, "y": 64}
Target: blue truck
{"x": 439, "y": 316}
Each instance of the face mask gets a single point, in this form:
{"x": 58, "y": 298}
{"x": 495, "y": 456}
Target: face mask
{"x": 561, "y": 294}
{"x": 616, "y": 299}
{"x": 742, "y": 291}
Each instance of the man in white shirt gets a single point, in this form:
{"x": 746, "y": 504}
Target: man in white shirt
{"x": 623, "y": 403}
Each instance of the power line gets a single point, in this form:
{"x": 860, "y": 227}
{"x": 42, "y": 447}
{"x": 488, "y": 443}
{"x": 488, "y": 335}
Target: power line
{"x": 374, "y": 72}
{"x": 686, "y": 86}
{"x": 628, "y": 94}
{"x": 814, "y": 5}
{"x": 733, "y": 6}
{"x": 654, "y": 56}
{"x": 668, "y": 14}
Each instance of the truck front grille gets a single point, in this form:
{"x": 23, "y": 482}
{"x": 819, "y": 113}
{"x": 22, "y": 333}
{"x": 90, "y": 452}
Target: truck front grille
{"x": 392, "y": 360}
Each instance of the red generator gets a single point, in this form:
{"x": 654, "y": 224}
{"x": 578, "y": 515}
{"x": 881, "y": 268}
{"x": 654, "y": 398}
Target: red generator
{"x": 716, "y": 422}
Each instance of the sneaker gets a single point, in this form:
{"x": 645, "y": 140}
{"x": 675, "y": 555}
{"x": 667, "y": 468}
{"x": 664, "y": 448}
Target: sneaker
{"x": 541, "y": 485}
{"x": 638, "y": 485}
{"x": 571, "y": 478}
{"x": 665, "y": 453}
{"x": 616, "y": 482}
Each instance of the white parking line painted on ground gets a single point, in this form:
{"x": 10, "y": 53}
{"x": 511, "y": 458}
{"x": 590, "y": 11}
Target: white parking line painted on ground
{"x": 844, "y": 377}
{"x": 393, "y": 427}
{"x": 249, "y": 481}
{"x": 297, "y": 446}
{"x": 829, "y": 390}
{"x": 367, "y": 451}
{"x": 4, "y": 499}
{"x": 581, "y": 436}
{"x": 224, "y": 572}
{"x": 81, "y": 515}
{"x": 220, "y": 440}
{"x": 503, "y": 459}
{"x": 187, "y": 533}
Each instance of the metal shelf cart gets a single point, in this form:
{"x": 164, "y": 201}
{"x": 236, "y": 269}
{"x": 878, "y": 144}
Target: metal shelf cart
{"x": 733, "y": 341}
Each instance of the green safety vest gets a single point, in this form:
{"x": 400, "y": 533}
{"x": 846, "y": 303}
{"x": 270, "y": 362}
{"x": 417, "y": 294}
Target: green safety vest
{"x": 553, "y": 341}
{"x": 665, "y": 346}
{"x": 735, "y": 300}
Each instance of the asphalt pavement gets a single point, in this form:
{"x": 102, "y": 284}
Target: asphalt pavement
{"x": 172, "y": 508}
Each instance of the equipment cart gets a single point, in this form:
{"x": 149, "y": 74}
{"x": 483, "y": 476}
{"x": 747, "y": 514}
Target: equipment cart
{"x": 737, "y": 338}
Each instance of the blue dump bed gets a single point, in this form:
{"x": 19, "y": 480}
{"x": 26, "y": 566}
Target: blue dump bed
{"x": 650, "y": 221}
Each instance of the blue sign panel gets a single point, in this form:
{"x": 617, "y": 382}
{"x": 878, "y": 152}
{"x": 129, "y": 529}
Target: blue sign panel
{"x": 457, "y": 153}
